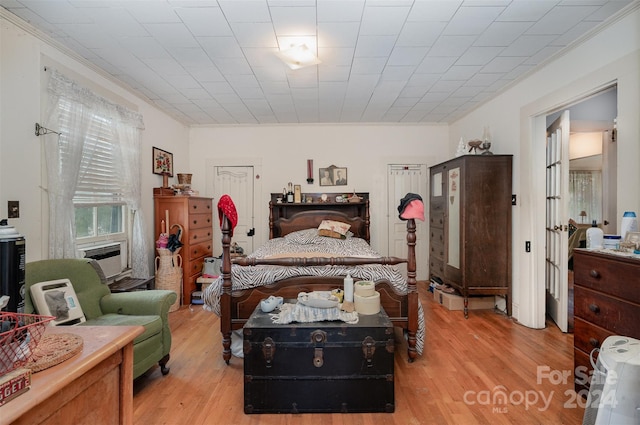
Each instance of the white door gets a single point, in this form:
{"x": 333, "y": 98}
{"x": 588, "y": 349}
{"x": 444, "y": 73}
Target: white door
{"x": 237, "y": 182}
{"x": 403, "y": 179}
{"x": 557, "y": 162}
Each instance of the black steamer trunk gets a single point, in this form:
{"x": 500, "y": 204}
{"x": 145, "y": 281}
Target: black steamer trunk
{"x": 318, "y": 367}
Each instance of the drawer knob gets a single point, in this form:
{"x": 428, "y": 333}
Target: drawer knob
{"x": 594, "y": 342}
{"x": 594, "y": 274}
{"x": 594, "y": 308}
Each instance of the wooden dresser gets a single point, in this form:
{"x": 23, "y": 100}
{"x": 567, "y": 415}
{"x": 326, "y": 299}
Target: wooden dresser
{"x": 195, "y": 215}
{"x": 470, "y": 225}
{"x": 606, "y": 302}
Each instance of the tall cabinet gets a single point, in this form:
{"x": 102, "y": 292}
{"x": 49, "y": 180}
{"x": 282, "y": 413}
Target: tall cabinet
{"x": 470, "y": 225}
{"x": 195, "y": 215}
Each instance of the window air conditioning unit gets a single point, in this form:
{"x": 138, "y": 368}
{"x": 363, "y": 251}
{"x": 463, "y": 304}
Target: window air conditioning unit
{"x": 108, "y": 256}
{"x": 614, "y": 394}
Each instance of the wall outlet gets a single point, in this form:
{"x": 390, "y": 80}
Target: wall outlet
{"x": 13, "y": 210}
{"x": 527, "y": 246}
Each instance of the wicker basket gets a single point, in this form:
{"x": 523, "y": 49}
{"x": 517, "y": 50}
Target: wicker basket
{"x": 18, "y": 343}
{"x": 169, "y": 273}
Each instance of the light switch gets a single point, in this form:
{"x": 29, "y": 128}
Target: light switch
{"x": 13, "y": 209}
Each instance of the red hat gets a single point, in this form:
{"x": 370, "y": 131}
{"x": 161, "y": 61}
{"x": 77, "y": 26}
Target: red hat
{"x": 227, "y": 207}
{"x": 414, "y": 209}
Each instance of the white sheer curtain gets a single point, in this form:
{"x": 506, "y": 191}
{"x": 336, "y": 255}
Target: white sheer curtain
{"x": 585, "y": 188}
{"x": 129, "y": 136}
{"x": 63, "y": 158}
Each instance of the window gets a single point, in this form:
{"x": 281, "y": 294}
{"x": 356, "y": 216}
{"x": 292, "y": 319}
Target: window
{"x": 93, "y": 175}
{"x": 100, "y": 211}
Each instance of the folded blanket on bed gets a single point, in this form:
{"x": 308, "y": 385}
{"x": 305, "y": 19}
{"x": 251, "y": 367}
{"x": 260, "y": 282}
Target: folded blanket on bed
{"x": 304, "y": 314}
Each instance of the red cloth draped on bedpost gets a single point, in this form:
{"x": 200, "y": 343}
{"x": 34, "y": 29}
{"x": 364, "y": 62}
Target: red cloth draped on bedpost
{"x": 228, "y": 220}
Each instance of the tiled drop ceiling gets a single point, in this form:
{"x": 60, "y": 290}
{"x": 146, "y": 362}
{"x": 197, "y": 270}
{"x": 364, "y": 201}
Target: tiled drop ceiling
{"x": 394, "y": 61}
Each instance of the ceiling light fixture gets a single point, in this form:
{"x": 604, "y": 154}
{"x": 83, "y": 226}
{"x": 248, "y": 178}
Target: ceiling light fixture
{"x": 298, "y": 56}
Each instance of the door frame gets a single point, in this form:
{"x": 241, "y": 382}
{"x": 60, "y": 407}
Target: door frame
{"x": 259, "y": 212}
{"x": 531, "y": 311}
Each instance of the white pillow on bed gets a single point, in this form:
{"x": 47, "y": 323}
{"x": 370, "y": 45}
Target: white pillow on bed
{"x": 309, "y": 236}
{"x": 304, "y": 237}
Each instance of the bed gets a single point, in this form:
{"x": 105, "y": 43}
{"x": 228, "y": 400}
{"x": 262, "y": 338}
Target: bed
{"x": 268, "y": 271}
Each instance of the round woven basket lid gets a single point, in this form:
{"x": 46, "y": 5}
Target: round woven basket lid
{"x": 54, "y": 349}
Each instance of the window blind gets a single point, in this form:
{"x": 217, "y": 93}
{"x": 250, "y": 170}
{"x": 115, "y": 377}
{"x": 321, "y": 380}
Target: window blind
{"x": 98, "y": 179}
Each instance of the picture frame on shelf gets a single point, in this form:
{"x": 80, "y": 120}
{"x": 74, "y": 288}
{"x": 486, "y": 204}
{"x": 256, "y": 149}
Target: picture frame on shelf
{"x": 162, "y": 162}
{"x": 297, "y": 193}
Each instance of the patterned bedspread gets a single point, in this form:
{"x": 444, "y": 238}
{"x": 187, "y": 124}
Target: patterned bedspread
{"x": 308, "y": 243}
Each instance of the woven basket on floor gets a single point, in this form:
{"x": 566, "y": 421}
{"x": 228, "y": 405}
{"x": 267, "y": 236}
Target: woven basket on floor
{"x": 169, "y": 273}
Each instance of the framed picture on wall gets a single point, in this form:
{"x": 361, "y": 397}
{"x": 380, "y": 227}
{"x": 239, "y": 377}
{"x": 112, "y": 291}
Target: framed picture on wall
{"x": 333, "y": 176}
{"x": 340, "y": 176}
{"x": 162, "y": 162}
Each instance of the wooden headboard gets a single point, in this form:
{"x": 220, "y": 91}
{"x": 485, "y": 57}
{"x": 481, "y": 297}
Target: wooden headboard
{"x": 285, "y": 218}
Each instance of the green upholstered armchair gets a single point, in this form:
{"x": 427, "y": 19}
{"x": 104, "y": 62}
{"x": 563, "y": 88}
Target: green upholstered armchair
{"x": 146, "y": 308}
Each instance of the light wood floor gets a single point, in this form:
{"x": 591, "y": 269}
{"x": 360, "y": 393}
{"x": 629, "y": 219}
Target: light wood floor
{"x": 487, "y": 369}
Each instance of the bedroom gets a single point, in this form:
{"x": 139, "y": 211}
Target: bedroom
{"x": 574, "y": 75}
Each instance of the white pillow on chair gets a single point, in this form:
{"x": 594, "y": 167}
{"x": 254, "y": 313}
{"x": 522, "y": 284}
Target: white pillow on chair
{"x": 57, "y": 298}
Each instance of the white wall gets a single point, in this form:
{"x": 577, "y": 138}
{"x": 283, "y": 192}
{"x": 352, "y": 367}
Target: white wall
{"x": 611, "y": 56}
{"x": 22, "y": 89}
{"x": 283, "y": 150}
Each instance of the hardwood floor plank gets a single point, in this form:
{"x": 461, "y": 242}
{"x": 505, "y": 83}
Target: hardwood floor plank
{"x": 486, "y": 369}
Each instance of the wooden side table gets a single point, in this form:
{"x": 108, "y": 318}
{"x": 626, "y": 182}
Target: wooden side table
{"x": 67, "y": 392}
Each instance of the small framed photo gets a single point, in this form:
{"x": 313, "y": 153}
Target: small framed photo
{"x": 297, "y": 193}
{"x": 326, "y": 176}
{"x": 340, "y": 176}
{"x": 162, "y": 162}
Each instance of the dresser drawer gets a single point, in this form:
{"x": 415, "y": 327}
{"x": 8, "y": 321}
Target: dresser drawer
{"x": 194, "y": 268}
{"x": 607, "y": 274}
{"x": 436, "y": 267}
{"x": 201, "y": 249}
{"x": 436, "y": 219}
{"x": 200, "y": 235}
{"x": 588, "y": 336}
{"x": 582, "y": 372}
{"x": 200, "y": 206}
{"x": 618, "y": 316}
{"x": 199, "y": 221}
{"x": 436, "y": 243}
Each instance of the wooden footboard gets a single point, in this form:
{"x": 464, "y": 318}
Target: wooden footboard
{"x": 244, "y": 302}
{"x": 237, "y": 306}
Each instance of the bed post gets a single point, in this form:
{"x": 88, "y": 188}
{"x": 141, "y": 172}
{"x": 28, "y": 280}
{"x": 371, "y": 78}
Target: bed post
{"x": 367, "y": 221}
{"x": 412, "y": 289}
{"x": 225, "y": 297}
{"x": 271, "y": 220}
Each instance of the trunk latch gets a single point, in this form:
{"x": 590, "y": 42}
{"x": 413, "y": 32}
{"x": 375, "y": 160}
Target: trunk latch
{"x": 318, "y": 338}
{"x": 268, "y": 350}
{"x": 368, "y": 349}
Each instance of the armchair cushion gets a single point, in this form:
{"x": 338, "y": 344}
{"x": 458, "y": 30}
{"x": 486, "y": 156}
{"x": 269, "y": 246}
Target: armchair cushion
{"x": 149, "y": 309}
{"x": 152, "y": 324}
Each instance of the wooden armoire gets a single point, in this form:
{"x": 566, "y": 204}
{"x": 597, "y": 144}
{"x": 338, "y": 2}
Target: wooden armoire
{"x": 470, "y": 225}
{"x": 195, "y": 216}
